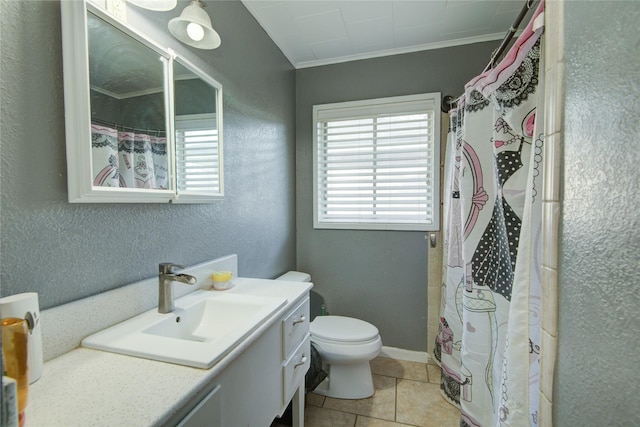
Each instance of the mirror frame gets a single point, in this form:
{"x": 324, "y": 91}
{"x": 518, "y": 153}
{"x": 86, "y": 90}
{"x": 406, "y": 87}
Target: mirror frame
{"x": 77, "y": 105}
{"x": 193, "y": 196}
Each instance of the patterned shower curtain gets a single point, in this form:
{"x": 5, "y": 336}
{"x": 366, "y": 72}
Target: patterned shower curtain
{"x": 128, "y": 159}
{"x": 489, "y": 334}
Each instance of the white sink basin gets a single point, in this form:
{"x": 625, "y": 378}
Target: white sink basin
{"x": 202, "y": 329}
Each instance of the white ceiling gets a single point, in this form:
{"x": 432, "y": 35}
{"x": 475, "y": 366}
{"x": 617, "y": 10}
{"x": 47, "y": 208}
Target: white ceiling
{"x": 319, "y": 32}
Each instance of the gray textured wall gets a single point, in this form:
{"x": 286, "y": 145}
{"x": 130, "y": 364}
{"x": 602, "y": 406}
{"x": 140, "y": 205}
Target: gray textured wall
{"x": 378, "y": 276}
{"x": 597, "y": 374}
{"x": 69, "y": 251}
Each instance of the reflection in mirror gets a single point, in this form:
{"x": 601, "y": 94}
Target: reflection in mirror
{"x": 197, "y": 136}
{"x": 128, "y": 126}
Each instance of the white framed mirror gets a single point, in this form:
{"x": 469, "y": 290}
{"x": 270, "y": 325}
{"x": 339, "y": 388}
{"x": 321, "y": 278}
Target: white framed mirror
{"x": 143, "y": 124}
{"x": 197, "y": 113}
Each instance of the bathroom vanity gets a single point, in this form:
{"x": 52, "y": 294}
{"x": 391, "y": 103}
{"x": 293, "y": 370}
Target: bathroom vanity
{"x": 249, "y": 386}
{"x": 262, "y": 380}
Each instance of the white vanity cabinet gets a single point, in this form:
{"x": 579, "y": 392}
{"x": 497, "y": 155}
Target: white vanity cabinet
{"x": 258, "y": 385}
{"x": 250, "y": 385}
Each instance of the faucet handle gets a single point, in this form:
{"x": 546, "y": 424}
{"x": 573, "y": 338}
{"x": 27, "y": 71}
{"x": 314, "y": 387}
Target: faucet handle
{"x": 169, "y": 267}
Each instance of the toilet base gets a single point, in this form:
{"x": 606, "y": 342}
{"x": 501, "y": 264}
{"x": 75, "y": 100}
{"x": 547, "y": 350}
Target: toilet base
{"x": 352, "y": 381}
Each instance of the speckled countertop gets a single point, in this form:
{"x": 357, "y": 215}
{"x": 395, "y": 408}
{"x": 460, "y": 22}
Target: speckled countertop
{"x": 87, "y": 387}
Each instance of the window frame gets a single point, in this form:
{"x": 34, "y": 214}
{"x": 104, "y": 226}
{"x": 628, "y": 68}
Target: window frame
{"x": 376, "y": 107}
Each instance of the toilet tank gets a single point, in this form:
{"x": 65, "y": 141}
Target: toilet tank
{"x": 295, "y": 276}
{"x": 316, "y": 301}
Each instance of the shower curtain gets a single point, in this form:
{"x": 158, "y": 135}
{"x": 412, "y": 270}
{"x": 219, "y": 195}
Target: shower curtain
{"x": 135, "y": 159}
{"x": 489, "y": 334}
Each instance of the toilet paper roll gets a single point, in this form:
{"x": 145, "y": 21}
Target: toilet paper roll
{"x": 25, "y": 306}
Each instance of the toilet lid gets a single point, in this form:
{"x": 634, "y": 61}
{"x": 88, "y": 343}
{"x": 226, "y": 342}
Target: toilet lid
{"x": 340, "y": 328}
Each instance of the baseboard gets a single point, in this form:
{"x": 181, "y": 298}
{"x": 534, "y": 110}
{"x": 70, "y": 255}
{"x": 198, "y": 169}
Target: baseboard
{"x": 402, "y": 354}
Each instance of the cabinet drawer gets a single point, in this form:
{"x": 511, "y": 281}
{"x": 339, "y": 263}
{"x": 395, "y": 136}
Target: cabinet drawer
{"x": 296, "y": 367}
{"x": 295, "y": 327}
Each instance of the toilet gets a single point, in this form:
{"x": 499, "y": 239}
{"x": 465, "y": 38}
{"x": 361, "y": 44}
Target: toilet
{"x": 346, "y": 345}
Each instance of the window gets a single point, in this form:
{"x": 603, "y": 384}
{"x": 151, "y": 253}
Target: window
{"x": 376, "y": 164}
{"x": 198, "y": 156}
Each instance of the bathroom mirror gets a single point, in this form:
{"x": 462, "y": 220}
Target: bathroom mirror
{"x": 198, "y": 135}
{"x": 143, "y": 124}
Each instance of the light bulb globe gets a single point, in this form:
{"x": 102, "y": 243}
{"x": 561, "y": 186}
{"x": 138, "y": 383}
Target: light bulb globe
{"x": 195, "y": 31}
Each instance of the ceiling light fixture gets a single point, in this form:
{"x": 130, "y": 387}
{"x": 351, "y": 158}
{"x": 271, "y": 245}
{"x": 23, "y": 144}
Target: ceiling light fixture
{"x": 156, "y": 5}
{"x": 193, "y": 27}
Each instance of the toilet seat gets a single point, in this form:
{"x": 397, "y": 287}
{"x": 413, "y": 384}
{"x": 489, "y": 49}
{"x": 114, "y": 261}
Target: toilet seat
{"x": 346, "y": 345}
{"x": 342, "y": 329}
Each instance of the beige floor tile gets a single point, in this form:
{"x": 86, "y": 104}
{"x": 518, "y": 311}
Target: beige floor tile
{"x": 314, "y": 399}
{"x": 363, "y": 421}
{"x": 322, "y": 417}
{"x": 381, "y": 405}
{"x": 421, "y": 404}
{"x": 434, "y": 373}
{"x": 399, "y": 368}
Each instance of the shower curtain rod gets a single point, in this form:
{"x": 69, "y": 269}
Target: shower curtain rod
{"x": 512, "y": 30}
{"x": 448, "y": 101}
{"x": 125, "y": 128}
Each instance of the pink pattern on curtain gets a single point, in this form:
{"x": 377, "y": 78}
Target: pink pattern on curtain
{"x": 128, "y": 159}
{"x": 489, "y": 334}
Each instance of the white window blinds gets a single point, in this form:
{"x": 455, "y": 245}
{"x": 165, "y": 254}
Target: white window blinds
{"x": 197, "y": 154}
{"x": 376, "y": 164}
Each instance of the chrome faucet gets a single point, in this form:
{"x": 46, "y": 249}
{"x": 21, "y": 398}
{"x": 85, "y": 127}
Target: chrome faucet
{"x": 166, "y": 275}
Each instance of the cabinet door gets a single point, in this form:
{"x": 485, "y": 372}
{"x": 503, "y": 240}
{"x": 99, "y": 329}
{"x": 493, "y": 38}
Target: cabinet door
{"x": 207, "y": 413}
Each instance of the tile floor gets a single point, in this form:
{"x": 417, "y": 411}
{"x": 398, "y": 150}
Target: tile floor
{"x": 407, "y": 394}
